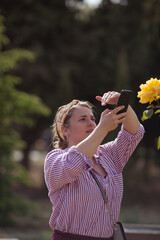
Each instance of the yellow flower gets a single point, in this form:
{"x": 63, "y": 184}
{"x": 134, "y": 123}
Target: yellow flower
{"x": 150, "y": 91}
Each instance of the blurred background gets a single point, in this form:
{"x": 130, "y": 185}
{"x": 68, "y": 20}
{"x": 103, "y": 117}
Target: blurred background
{"x": 54, "y": 51}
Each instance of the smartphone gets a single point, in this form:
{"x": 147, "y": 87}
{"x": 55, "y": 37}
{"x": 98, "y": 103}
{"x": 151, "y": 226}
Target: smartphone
{"x": 124, "y": 100}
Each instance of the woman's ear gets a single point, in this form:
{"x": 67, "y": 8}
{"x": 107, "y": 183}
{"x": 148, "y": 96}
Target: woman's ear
{"x": 65, "y": 131}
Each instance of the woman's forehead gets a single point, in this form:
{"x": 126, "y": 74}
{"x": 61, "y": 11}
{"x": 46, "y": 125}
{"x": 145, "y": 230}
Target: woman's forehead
{"x": 81, "y": 110}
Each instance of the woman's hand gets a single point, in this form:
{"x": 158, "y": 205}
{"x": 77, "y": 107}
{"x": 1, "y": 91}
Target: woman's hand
{"x": 109, "y": 119}
{"x": 108, "y": 98}
{"x": 130, "y": 122}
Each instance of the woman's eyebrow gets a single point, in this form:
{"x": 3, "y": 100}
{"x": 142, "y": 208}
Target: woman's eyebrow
{"x": 85, "y": 116}
{"x": 82, "y": 116}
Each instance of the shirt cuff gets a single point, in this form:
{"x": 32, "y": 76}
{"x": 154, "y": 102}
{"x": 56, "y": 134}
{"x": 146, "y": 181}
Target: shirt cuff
{"x": 139, "y": 134}
{"x": 83, "y": 159}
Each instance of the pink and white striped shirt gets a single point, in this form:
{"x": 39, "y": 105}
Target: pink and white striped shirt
{"x": 78, "y": 206}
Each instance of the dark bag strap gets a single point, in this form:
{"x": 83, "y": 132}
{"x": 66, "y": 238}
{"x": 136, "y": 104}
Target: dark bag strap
{"x": 106, "y": 201}
{"x": 100, "y": 187}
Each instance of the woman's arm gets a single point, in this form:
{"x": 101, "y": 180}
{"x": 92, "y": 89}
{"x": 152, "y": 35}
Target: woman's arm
{"x": 62, "y": 167}
{"x": 131, "y": 122}
{"x": 122, "y": 147}
{"x": 109, "y": 121}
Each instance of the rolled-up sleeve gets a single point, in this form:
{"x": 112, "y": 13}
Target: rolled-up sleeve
{"x": 62, "y": 167}
{"x": 123, "y": 146}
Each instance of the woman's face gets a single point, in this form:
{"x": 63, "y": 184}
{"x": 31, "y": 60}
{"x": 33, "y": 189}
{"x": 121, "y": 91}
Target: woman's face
{"x": 81, "y": 124}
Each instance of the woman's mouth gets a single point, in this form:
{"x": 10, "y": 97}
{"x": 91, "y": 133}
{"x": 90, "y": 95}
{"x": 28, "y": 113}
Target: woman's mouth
{"x": 89, "y": 131}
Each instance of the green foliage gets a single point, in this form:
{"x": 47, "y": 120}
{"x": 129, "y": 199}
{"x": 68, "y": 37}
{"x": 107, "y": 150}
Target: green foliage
{"x": 10, "y": 58}
{"x": 152, "y": 111}
{"x": 158, "y": 145}
{"x": 158, "y": 111}
{"x": 20, "y": 105}
{"x": 147, "y": 114}
{"x": 3, "y": 39}
{"x": 16, "y": 107}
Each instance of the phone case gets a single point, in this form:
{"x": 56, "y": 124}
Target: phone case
{"x": 124, "y": 99}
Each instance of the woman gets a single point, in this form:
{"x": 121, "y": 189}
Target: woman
{"x": 79, "y": 211}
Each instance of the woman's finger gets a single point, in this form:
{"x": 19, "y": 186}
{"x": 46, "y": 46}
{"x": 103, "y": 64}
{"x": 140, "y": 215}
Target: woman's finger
{"x": 120, "y": 120}
{"x": 110, "y": 98}
{"x": 105, "y": 98}
{"x": 106, "y": 111}
{"x": 121, "y": 115}
{"x": 117, "y": 109}
{"x": 99, "y": 98}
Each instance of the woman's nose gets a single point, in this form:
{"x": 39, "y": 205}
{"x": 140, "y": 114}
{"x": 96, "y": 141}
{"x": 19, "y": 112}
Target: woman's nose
{"x": 91, "y": 122}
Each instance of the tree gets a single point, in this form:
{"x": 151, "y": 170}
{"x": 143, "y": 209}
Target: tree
{"x": 16, "y": 108}
{"x": 81, "y": 54}
{"x": 51, "y": 30}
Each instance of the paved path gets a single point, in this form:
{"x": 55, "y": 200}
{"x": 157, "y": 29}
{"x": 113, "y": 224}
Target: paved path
{"x": 133, "y": 232}
{"x": 142, "y": 232}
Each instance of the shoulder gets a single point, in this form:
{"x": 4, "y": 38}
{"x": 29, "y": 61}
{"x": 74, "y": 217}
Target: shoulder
{"x": 52, "y": 156}
{"x": 53, "y": 153}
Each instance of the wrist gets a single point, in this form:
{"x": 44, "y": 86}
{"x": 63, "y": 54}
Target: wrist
{"x": 102, "y": 129}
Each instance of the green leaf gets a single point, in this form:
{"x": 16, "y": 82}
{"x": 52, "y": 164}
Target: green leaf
{"x": 158, "y": 145}
{"x": 9, "y": 59}
{"x": 147, "y": 114}
{"x": 151, "y": 106}
{"x": 158, "y": 111}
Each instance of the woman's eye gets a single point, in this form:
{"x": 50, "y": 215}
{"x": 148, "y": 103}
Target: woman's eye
{"x": 82, "y": 119}
{"x": 93, "y": 119}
